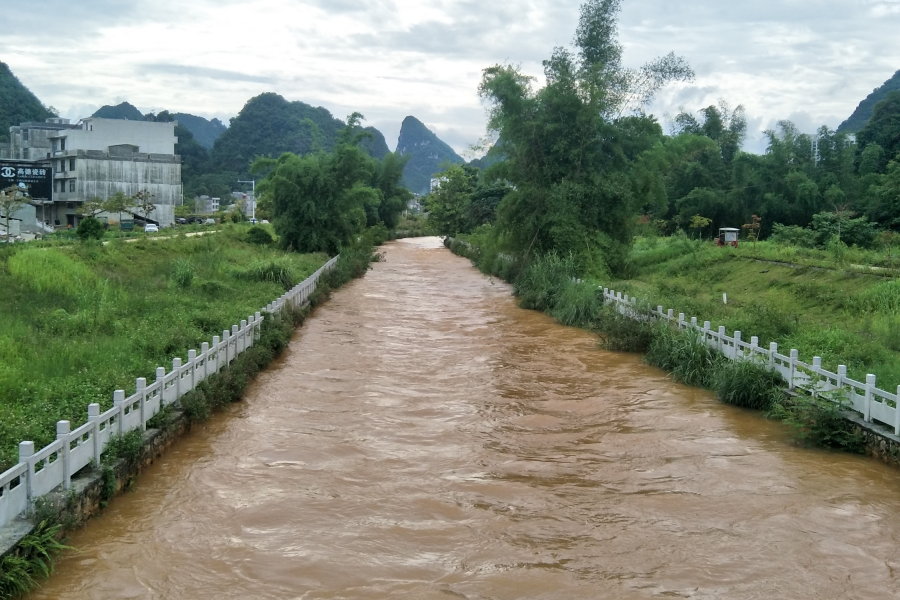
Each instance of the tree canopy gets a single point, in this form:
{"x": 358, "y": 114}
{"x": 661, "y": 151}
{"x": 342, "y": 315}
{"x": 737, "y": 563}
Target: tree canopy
{"x": 322, "y": 200}
{"x": 569, "y": 145}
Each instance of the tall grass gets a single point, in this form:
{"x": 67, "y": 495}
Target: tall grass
{"x": 685, "y": 355}
{"x": 79, "y": 321}
{"x": 50, "y": 271}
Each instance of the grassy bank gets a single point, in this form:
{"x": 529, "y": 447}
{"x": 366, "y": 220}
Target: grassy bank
{"x": 809, "y": 299}
{"x": 83, "y": 320}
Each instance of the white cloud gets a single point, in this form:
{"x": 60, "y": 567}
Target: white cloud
{"x": 814, "y": 59}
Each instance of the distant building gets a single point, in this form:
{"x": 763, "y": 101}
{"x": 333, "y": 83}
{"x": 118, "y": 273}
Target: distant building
{"x": 98, "y": 158}
{"x": 204, "y": 205}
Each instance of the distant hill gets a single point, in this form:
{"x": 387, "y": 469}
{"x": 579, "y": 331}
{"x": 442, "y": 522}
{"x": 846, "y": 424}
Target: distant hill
{"x": 427, "y": 153}
{"x": 17, "y": 103}
{"x": 204, "y": 131}
{"x": 124, "y": 111}
{"x": 269, "y": 125}
{"x": 863, "y": 112}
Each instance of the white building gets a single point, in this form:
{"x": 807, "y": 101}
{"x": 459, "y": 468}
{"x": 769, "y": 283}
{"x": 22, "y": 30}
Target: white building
{"x": 98, "y": 158}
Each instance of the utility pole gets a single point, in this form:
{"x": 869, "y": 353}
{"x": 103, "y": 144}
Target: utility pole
{"x": 253, "y": 203}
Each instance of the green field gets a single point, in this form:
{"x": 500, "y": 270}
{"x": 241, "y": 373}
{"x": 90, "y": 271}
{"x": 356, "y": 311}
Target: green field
{"x": 845, "y": 308}
{"x": 83, "y": 320}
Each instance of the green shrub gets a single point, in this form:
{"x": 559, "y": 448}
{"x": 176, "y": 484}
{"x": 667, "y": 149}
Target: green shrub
{"x": 90, "y": 229}
{"x": 183, "y": 273}
{"x": 261, "y": 236}
{"x": 748, "y": 384}
{"x": 624, "y": 334}
{"x": 124, "y": 446}
{"x": 820, "y": 422}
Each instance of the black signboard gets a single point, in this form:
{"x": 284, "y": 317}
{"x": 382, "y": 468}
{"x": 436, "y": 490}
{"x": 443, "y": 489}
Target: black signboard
{"x": 35, "y": 179}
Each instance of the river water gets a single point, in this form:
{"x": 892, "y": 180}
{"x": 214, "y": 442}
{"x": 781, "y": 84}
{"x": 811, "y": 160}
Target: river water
{"x": 425, "y": 438}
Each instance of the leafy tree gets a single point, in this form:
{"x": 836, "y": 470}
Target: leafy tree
{"x": 143, "y": 202}
{"x": 448, "y": 205}
{"x": 394, "y": 196}
{"x": 319, "y": 200}
{"x": 569, "y": 145}
{"x": 485, "y": 200}
{"x": 91, "y": 208}
{"x": 118, "y": 204}
{"x": 699, "y": 223}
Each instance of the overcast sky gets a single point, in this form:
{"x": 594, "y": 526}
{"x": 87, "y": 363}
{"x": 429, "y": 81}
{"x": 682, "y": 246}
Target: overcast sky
{"x": 810, "y": 61}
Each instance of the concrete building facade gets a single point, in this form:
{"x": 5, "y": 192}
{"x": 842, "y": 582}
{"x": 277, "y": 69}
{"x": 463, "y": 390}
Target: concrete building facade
{"x": 97, "y": 159}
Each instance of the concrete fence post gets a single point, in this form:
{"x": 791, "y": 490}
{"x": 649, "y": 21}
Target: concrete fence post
{"x": 659, "y": 309}
{"x": 26, "y": 451}
{"x": 738, "y": 351}
{"x": 234, "y": 339}
{"x": 257, "y": 329}
{"x": 176, "y": 369}
{"x": 694, "y": 323}
{"x": 773, "y": 350}
{"x": 62, "y": 434}
{"x": 670, "y": 314}
{"x": 119, "y": 402}
{"x": 161, "y": 380}
{"x": 870, "y": 385}
{"x": 94, "y": 417}
{"x": 192, "y": 360}
{"x": 243, "y": 338}
{"x": 897, "y": 413}
{"x": 140, "y": 385}
{"x": 817, "y": 364}
{"x": 795, "y": 355}
{"x": 681, "y": 323}
{"x": 841, "y": 376}
{"x": 225, "y": 334}
{"x": 204, "y": 351}
{"x": 722, "y": 337}
{"x": 754, "y": 344}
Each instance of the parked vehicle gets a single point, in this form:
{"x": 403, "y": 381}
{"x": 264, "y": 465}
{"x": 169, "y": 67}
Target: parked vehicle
{"x": 728, "y": 236}
{"x": 151, "y": 228}
{"x": 264, "y": 222}
{"x": 181, "y": 221}
{"x": 209, "y": 222}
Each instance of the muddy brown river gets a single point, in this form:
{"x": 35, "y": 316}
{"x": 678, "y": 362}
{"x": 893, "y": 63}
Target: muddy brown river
{"x": 425, "y": 438}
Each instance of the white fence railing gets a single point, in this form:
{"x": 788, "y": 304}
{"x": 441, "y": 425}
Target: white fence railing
{"x": 865, "y": 398}
{"x": 41, "y": 471}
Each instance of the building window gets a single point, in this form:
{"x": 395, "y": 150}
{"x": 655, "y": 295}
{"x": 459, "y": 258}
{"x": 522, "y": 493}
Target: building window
{"x": 25, "y": 153}
{"x": 71, "y": 164}
{"x": 60, "y": 166}
{"x": 70, "y": 205}
{"x": 71, "y": 185}
{"x": 62, "y": 144}
{"x": 24, "y": 135}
